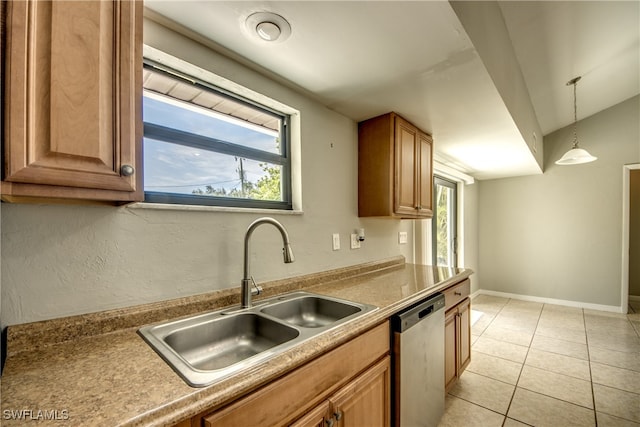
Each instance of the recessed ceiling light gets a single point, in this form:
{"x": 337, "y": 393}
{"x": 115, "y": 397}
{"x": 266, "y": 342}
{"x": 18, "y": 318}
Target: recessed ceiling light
{"x": 268, "y": 31}
{"x": 267, "y": 27}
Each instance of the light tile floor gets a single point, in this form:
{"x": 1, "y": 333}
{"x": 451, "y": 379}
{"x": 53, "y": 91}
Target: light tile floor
{"x": 548, "y": 365}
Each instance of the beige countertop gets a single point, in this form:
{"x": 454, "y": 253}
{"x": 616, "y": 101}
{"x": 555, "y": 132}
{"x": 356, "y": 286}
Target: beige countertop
{"x": 96, "y": 370}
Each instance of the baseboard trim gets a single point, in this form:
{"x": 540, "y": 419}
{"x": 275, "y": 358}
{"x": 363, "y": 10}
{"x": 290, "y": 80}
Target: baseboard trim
{"x": 578, "y": 304}
{"x": 634, "y": 297}
{"x": 476, "y": 293}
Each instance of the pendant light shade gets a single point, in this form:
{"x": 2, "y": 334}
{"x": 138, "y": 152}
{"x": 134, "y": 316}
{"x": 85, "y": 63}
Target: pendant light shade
{"x": 575, "y": 156}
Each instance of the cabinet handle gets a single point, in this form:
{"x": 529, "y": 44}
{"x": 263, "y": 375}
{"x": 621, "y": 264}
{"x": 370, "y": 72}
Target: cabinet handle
{"x": 457, "y": 293}
{"x": 329, "y": 422}
{"x": 338, "y": 415}
{"x": 127, "y": 170}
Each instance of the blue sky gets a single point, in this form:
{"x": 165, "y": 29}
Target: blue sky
{"x": 178, "y": 169}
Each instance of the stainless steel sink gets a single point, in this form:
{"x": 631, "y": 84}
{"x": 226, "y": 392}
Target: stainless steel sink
{"x": 206, "y": 348}
{"x": 218, "y": 343}
{"x": 312, "y": 311}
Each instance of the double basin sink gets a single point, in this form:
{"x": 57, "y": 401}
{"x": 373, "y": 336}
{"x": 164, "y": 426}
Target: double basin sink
{"x": 207, "y": 348}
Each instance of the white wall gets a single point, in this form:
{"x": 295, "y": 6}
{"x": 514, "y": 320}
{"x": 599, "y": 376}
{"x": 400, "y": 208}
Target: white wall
{"x": 484, "y": 23}
{"x": 471, "y": 234}
{"x": 65, "y": 260}
{"x": 559, "y": 235}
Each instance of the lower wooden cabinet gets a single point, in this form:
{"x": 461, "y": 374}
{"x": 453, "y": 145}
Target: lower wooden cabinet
{"x": 365, "y": 401}
{"x": 457, "y": 333}
{"x": 320, "y": 416}
{"x": 347, "y": 386}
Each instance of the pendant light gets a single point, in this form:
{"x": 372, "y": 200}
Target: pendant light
{"x": 576, "y": 155}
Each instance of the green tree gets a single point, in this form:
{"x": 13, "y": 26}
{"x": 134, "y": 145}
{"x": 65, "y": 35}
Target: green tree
{"x": 268, "y": 187}
{"x": 221, "y": 192}
{"x": 442, "y": 225}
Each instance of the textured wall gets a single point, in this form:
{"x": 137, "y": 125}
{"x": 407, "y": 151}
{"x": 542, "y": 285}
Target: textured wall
{"x": 64, "y": 260}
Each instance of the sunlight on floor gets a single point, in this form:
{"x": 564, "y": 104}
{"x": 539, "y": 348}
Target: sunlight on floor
{"x": 475, "y": 316}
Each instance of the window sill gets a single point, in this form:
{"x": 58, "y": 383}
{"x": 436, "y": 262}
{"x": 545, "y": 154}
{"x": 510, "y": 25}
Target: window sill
{"x": 175, "y": 207}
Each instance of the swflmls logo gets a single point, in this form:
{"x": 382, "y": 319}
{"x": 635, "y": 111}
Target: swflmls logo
{"x": 37, "y": 414}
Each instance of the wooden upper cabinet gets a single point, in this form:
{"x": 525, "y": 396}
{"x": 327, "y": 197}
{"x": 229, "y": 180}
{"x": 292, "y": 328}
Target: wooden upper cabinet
{"x": 395, "y": 170}
{"x": 73, "y": 100}
{"x": 425, "y": 174}
{"x": 406, "y": 163}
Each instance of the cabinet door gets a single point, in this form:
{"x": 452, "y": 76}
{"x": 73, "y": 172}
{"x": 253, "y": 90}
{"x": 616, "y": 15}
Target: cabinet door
{"x": 464, "y": 333}
{"x": 406, "y": 162}
{"x": 366, "y": 400}
{"x": 450, "y": 348}
{"x": 291, "y": 396}
{"x": 320, "y": 416}
{"x": 73, "y": 98}
{"x": 425, "y": 176}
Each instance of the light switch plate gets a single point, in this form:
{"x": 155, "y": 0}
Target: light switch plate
{"x": 336, "y": 241}
{"x": 402, "y": 237}
{"x": 355, "y": 243}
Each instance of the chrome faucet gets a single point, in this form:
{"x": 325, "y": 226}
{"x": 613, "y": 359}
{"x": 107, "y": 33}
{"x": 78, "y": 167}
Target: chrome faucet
{"x": 246, "y": 290}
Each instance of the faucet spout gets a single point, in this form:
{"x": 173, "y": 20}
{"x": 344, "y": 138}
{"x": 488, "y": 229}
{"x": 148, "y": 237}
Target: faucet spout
{"x": 287, "y": 253}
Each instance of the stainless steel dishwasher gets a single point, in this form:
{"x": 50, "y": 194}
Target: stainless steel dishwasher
{"x": 418, "y": 358}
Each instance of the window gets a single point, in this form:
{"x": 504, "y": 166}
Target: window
{"x": 206, "y": 146}
{"x": 444, "y": 223}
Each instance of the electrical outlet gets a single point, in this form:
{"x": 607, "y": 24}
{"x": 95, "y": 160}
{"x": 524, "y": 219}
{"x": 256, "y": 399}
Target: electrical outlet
{"x": 355, "y": 242}
{"x": 336, "y": 241}
{"x": 402, "y": 237}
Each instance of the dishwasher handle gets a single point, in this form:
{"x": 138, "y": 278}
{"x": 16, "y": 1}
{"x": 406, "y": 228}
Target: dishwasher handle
{"x": 404, "y": 320}
{"x": 427, "y": 311}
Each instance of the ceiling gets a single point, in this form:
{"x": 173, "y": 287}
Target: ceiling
{"x": 365, "y": 58}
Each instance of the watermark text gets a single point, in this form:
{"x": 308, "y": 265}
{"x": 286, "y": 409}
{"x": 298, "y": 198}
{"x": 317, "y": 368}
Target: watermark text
{"x": 35, "y": 414}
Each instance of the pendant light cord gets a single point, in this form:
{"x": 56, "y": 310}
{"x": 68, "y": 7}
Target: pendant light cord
{"x": 575, "y": 156}
{"x": 574, "y": 82}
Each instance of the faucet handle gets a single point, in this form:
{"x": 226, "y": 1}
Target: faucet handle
{"x": 257, "y": 290}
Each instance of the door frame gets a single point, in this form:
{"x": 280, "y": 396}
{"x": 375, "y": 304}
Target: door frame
{"x": 450, "y": 183}
{"x": 626, "y": 192}
{"x": 422, "y": 228}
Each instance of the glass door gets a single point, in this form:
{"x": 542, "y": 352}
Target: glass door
{"x": 444, "y": 223}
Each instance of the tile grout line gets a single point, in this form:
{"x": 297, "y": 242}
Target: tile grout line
{"x": 593, "y": 394}
{"x": 479, "y": 336}
{"x": 588, "y": 346}
{"x": 506, "y": 416}
{"x": 523, "y": 363}
{"x": 483, "y": 407}
{"x": 607, "y": 386}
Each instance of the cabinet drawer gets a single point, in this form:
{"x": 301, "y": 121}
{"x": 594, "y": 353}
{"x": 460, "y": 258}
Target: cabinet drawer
{"x": 456, "y": 293}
